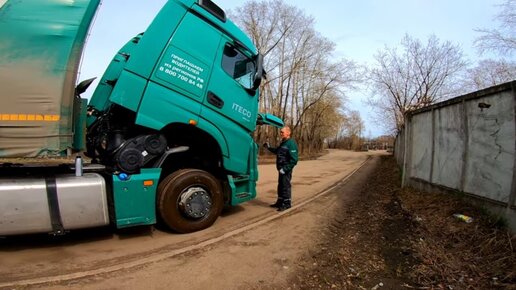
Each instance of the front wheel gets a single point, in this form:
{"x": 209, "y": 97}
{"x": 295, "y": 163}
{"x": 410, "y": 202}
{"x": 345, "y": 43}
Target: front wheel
{"x": 189, "y": 200}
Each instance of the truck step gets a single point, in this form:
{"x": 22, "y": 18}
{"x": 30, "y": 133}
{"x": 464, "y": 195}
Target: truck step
{"x": 240, "y": 178}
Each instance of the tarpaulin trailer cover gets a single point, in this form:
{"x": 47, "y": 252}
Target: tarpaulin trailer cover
{"x": 41, "y": 43}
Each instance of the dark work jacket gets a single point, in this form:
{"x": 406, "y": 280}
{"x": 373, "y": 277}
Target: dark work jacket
{"x": 287, "y": 155}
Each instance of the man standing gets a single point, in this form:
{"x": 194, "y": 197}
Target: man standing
{"x": 286, "y": 159}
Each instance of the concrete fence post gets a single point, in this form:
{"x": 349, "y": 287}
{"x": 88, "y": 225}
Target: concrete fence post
{"x": 406, "y": 153}
{"x": 512, "y": 196}
{"x": 432, "y": 156}
{"x": 465, "y": 154}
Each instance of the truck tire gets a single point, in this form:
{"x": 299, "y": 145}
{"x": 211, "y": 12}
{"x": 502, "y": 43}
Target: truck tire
{"x": 189, "y": 200}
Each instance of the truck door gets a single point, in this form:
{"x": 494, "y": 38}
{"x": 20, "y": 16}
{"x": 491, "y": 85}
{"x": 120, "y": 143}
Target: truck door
{"x": 229, "y": 90}
{"x": 178, "y": 84}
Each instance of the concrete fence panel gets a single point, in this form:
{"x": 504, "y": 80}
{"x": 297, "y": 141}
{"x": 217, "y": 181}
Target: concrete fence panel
{"x": 421, "y": 159}
{"x": 465, "y": 144}
{"x": 491, "y": 146}
{"x": 448, "y": 143}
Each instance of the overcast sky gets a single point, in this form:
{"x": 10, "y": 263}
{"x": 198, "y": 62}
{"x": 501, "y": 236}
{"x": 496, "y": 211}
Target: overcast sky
{"x": 359, "y": 29}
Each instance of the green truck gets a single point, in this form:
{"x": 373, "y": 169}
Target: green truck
{"x": 166, "y": 136}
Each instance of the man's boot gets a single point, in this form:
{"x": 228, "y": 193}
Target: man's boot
{"x": 284, "y": 206}
{"x": 277, "y": 204}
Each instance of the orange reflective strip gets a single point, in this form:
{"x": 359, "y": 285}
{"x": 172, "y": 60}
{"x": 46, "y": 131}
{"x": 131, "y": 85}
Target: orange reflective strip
{"x": 148, "y": 182}
{"x": 29, "y": 117}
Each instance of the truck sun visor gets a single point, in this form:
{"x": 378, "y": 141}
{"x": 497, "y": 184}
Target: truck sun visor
{"x": 213, "y": 9}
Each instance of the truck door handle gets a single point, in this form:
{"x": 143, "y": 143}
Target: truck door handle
{"x": 214, "y": 100}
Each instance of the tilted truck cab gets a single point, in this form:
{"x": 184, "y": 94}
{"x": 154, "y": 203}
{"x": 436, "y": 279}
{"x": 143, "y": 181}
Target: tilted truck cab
{"x": 169, "y": 130}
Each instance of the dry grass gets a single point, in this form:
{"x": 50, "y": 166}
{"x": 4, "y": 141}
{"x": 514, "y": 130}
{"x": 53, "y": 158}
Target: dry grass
{"x": 393, "y": 238}
{"x": 455, "y": 254}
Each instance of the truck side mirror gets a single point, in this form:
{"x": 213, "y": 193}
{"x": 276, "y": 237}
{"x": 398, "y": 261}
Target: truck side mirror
{"x": 269, "y": 119}
{"x": 259, "y": 72}
{"x": 83, "y": 86}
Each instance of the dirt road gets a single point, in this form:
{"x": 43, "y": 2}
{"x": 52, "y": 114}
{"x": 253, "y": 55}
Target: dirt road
{"x": 230, "y": 254}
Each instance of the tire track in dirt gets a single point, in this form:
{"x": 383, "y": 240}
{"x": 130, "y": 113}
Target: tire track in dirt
{"x": 161, "y": 254}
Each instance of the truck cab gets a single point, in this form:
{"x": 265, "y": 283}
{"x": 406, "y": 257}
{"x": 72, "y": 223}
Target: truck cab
{"x": 182, "y": 96}
{"x": 191, "y": 72}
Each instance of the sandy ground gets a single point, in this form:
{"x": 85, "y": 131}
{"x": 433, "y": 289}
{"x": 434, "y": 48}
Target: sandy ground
{"x": 250, "y": 246}
{"x": 263, "y": 257}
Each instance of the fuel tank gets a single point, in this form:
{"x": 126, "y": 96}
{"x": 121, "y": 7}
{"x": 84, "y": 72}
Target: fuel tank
{"x": 52, "y": 205}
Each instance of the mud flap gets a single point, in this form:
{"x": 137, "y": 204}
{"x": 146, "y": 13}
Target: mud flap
{"x": 135, "y": 197}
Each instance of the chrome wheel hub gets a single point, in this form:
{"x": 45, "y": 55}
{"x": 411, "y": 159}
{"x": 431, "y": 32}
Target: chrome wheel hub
{"x": 195, "y": 202}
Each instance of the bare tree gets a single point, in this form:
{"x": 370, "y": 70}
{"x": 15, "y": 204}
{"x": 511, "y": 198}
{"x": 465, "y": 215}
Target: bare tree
{"x": 413, "y": 76}
{"x": 354, "y": 127}
{"x": 489, "y": 73}
{"x": 305, "y": 86}
{"x": 503, "y": 39}
{"x": 350, "y": 132}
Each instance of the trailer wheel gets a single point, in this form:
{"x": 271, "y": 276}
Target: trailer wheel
{"x": 189, "y": 200}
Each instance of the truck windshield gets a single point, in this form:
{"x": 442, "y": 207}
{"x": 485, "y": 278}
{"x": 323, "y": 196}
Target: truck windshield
{"x": 240, "y": 67}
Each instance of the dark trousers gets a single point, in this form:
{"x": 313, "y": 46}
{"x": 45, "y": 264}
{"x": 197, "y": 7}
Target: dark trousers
{"x": 284, "y": 188}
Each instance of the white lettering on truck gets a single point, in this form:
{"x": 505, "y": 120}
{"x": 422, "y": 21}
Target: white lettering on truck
{"x": 183, "y": 70}
{"x": 243, "y": 111}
